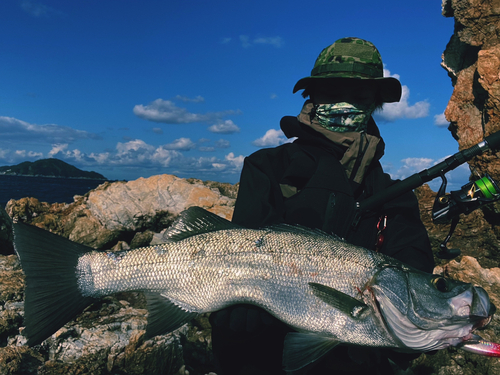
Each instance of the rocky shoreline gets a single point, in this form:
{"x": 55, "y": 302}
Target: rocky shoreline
{"x": 108, "y": 337}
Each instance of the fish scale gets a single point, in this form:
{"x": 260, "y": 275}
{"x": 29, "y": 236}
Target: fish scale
{"x": 331, "y": 292}
{"x": 209, "y": 271}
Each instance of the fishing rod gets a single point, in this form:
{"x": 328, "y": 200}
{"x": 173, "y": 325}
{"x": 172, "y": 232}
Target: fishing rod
{"x": 447, "y": 207}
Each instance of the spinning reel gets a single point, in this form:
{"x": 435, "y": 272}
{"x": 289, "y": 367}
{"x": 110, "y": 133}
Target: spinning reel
{"x": 448, "y": 207}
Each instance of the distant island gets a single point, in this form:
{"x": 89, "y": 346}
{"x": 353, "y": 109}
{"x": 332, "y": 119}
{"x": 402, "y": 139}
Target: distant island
{"x": 49, "y": 168}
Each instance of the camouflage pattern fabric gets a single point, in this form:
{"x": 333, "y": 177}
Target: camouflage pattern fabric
{"x": 343, "y": 117}
{"x": 352, "y": 58}
{"x": 349, "y": 58}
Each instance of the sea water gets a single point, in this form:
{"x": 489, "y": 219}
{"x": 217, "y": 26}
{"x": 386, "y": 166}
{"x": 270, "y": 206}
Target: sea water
{"x": 45, "y": 189}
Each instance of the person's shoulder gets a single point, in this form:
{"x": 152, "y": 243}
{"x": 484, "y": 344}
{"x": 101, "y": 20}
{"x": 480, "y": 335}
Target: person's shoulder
{"x": 284, "y": 148}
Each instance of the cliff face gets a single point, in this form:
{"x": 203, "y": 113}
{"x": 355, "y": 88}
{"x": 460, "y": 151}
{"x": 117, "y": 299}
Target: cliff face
{"x": 472, "y": 59}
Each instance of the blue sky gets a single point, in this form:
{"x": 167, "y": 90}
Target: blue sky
{"x": 135, "y": 88}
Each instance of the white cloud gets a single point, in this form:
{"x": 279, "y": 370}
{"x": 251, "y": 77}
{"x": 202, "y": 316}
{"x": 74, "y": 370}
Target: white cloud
{"x": 411, "y": 166}
{"x": 272, "y": 138}
{"x": 22, "y": 154}
{"x": 402, "y": 109}
{"x": 245, "y": 41}
{"x": 219, "y": 166}
{"x": 387, "y": 73}
{"x": 235, "y": 161}
{"x": 37, "y": 9}
{"x": 275, "y": 41}
{"x": 198, "y": 99}
{"x": 440, "y": 120}
{"x": 60, "y": 147}
{"x": 165, "y": 111}
{"x": 184, "y": 144}
{"x": 139, "y": 156}
{"x": 13, "y": 129}
{"x": 222, "y": 143}
{"x": 207, "y": 149}
{"x": 226, "y": 127}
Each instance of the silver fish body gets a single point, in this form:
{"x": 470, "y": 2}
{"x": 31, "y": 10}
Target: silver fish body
{"x": 268, "y": 268}
{"x": 328, "y": 290}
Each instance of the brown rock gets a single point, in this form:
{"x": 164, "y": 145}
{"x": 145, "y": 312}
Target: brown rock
{"x": 474, "y": 235}
{"x": 19, "y": 360}
{"x": 108, "y": 337}
{"x": 125, "y": 206}
{"x": 472, "y": 59}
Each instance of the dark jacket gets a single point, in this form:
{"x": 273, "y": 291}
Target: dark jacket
{"x": 304, "y": 183}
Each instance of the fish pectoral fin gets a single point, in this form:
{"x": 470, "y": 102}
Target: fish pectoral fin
{"x": 302, "y": 349}
{"x": 341, "y": 301}
{"x": 164, "y": 315}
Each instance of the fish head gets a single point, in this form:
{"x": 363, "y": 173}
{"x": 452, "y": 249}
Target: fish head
{"x": 428, "y": 312}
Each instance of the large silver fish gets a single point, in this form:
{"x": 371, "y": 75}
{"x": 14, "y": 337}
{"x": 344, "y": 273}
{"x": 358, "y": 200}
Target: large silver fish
{"x": 328, "y": 290}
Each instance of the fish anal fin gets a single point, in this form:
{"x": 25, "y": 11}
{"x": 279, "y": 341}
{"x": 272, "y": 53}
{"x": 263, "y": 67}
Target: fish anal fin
{"x": 303, "y": 349}
{"x": 341, "y": 301}
{"x": 164, "y": 315}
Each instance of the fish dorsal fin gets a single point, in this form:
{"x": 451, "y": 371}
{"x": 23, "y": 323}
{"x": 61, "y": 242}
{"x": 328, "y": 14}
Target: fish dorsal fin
{"x": 193, "y": 221}
{"x": 164, "y": 316}
{"x": 341, "y": 301}
{"x": 303, "y": 349}
{"x": 301, "y": 229}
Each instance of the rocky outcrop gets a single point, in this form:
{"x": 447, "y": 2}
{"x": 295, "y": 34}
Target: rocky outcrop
{"x": 108, "y": 337}
{"x": 125, "y": 211}
{"x": 474, "y": 235}
{"x": 478, "y": 264}
{"x": 472, "y": 59}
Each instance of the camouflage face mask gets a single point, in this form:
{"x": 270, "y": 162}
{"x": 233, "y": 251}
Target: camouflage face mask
{"x": 343, "y": 117}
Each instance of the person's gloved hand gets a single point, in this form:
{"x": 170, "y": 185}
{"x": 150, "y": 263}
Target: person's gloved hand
{"x": 242, "y": 319}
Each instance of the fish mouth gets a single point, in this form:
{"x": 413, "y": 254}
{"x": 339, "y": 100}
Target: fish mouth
{"x": 482, "y": 309}
{"x": 483, "y": 322}
{"x": 458, "y": 332}
{"x": 481, "y": 305}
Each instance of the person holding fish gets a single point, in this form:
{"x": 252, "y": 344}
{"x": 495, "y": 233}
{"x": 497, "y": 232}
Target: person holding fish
{"x": 337, "y": 292}
{"x": 315, "y": 182}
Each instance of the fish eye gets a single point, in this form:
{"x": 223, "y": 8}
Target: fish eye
{"x": 441, "y": 284}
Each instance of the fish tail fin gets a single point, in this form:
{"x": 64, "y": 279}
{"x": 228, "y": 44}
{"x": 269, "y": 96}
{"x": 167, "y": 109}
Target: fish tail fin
{"x": 52, "y": 297}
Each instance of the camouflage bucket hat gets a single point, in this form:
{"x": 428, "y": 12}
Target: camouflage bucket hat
{"x": 352, "y": 58}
